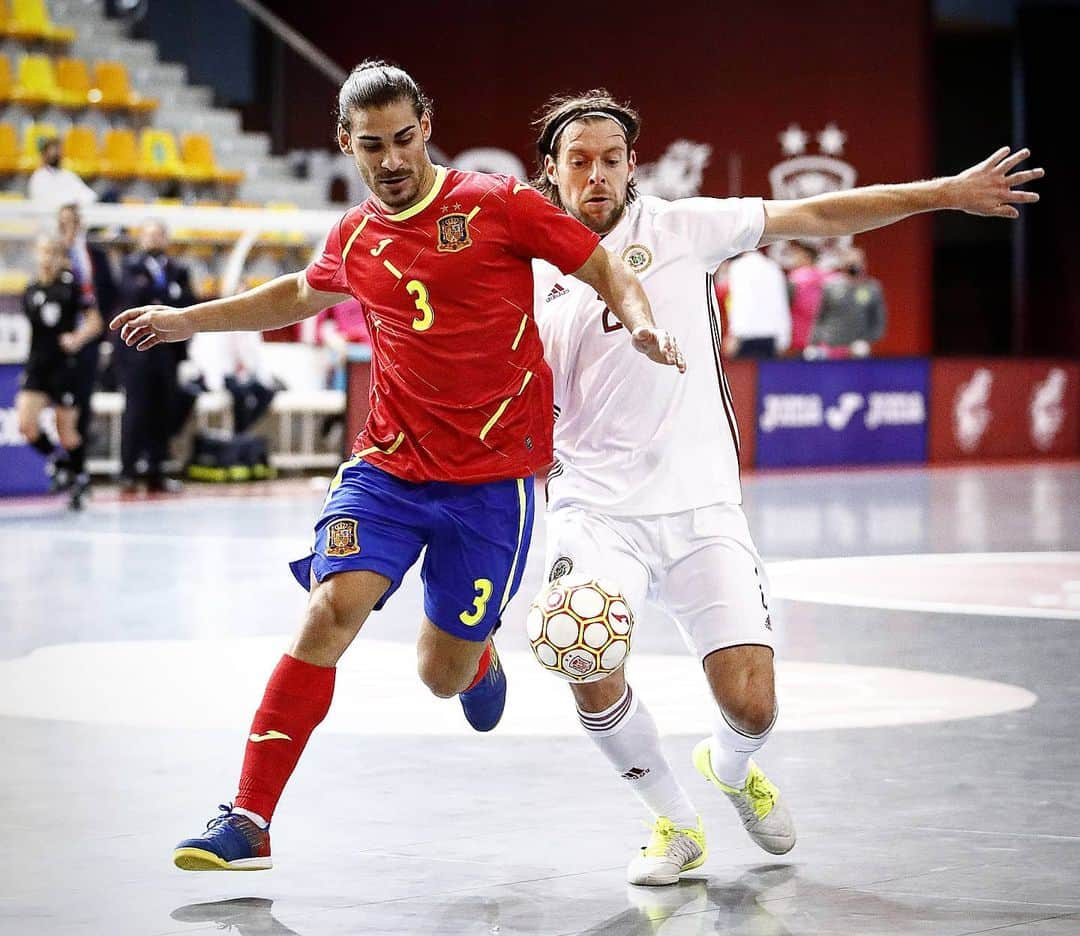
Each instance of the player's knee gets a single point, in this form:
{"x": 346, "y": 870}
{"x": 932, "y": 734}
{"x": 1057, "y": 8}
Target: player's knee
{"x": 29, "y": 429}
{"x": 69, "y": 439}
{"x": 330, "y": 617}
{"x": 753, "y": 715}
{"x": 443, "y": 677}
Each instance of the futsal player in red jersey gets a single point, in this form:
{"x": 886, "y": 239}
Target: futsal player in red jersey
{"x": 461, "y": 418}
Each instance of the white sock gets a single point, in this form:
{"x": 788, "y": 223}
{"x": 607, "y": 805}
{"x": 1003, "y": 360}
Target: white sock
{"x": 731, "y": 749}
{"x": 627, "y": 735}
{"x": 253, "y": 816}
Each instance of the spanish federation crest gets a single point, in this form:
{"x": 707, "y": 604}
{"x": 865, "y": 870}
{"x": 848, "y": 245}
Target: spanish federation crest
{"x": 454, "y": 232}
{"x": 341, "y": 538}
{"x": 638, "y": 257}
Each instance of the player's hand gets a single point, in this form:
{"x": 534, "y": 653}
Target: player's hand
{"x": 987, "y": 189}
{"x": 69, "y": 342}
{"x": 147, "y": 326}
{"x": 659, "y": 346}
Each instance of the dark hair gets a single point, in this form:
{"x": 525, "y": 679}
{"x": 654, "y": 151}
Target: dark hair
{"x": 561, "y": 111}
{"x": 375, "y": 83}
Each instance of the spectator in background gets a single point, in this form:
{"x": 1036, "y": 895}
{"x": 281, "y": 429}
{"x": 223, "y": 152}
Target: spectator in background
{"x": 149, "y": 378}
{"x": 93, "y": 272}
{"x": 806, "y": 281}
{"x": 758, "y": 312}
{"x": 852, "y": 313}
{"x": 338, "y": 327}
{"x": 52, "y": 185}
{"x": 234, "y": 361}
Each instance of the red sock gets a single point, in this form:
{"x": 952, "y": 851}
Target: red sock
{"x": 482, "y": 666}
{"x": 297, "y": 698}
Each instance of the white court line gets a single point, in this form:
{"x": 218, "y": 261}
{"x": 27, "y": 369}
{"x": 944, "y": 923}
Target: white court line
{"x": 794, "y": 580}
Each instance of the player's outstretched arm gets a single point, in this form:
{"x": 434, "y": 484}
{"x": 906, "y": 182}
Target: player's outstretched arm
{"x": 987, "y": 189}
{"x": 280, "y": 302}
{"x": 620, "y": 289}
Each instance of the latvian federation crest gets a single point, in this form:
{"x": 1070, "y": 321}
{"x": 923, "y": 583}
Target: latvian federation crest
{"x": 638, "y": 257}
{"x": 454, "y": 233}
{"x": 341, "y": 538}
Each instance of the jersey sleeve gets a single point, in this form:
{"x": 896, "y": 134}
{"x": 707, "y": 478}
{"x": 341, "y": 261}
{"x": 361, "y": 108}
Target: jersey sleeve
{"x": 327, "y": 273}
{"x": 717, "y": 228}
{"x": 539, "y": 230}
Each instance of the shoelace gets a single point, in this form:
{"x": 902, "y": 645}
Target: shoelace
{"x": 226, "y": 812}
{"x": 667, "y": 841}
{"x": 761, "y": 796}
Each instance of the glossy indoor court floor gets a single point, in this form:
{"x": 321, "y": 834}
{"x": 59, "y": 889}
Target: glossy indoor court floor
{"x": 928, "y": 743}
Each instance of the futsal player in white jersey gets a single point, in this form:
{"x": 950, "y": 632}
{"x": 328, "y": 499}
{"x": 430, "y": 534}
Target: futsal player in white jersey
{"x": 645, "y": 487}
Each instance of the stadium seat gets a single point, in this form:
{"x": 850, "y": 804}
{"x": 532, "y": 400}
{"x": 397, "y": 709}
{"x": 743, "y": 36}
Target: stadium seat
{"x": 119, "y": 154}
{"x": 197, "y": 152}
{"x": 31, "y": 150}
{"x": 37, "y": 82}
{"x": 5, "y": 75}
{"x": 73, "y": 79}
{"x": 13, "y": 282}
{"x": 9, "y": 150}
{"x": 29, "y": 20}
{"x": 112, "y": 88}
{"x": 80, "y": 151}
{"x": 158, "y": 156}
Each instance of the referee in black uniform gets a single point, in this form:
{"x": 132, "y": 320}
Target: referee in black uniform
{"x": 63, "y": 320}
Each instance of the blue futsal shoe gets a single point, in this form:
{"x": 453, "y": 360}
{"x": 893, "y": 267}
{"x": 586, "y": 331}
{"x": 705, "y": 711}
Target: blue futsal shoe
{"x": 232, "y": 842}
{"x": 484, "y": 703}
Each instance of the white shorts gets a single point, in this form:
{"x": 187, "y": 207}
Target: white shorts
{"x": 700, "y": 566}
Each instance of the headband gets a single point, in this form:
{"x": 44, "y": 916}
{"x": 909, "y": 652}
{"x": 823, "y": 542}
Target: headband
{"x": 591, "y": 113}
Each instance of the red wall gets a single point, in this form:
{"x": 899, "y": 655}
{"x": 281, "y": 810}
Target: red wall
{"x": 733, "y": 76}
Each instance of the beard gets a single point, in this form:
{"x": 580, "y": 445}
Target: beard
{"x": 601, "y": 225}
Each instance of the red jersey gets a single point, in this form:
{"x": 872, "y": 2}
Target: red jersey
{"x": 460, "y": 390}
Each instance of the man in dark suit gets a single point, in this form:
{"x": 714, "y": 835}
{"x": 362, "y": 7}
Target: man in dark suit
{"x": 94, "y": 274}
{"x": 150, "y": 277}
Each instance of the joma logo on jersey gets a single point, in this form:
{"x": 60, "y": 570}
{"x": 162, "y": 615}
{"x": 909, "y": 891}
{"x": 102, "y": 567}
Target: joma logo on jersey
{"x": 453, "y": 233}
{"x": 341, "y": 538}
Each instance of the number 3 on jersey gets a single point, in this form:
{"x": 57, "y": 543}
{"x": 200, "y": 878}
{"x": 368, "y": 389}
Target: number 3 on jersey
{"x": 483, "y": 596}
{"x": 427, "y": 314}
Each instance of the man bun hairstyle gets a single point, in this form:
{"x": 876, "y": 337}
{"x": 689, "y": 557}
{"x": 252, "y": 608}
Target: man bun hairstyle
{"x": 375, "y": 83}
{"x": 562, "y": 110}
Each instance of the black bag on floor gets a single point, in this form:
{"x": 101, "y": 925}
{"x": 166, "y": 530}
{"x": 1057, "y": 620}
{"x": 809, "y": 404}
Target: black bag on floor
{"x": 218, "y": 456}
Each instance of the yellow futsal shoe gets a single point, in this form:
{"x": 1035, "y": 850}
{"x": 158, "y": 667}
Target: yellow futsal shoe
{"x": 758, "y": 803}
{"x": 670, "y": 852}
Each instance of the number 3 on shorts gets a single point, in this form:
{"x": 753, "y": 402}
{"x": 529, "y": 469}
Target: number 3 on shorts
{"x": 483, "y": 595}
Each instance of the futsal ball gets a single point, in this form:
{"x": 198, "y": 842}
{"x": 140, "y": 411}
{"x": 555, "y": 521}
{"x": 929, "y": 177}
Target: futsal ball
{"x": 579, "y": 628}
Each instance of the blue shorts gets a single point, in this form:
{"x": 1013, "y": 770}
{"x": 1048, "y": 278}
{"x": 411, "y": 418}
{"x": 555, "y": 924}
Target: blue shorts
{"x": 476, "y": 536}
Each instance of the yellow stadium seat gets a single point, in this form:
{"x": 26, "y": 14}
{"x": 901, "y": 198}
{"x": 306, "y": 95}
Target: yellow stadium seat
{"x": 112, "y": 88}
{"x": 29, "y": 19}
{"x": 81, "y": 151}
{"x": 12, "y": 282}
{"x": 5, "y": 75}
{"x": 37, "y": 82}
{"x": 9, "y": 149}
{"x": 158, "y": 157}
{"x": 33, "y": 134}
{"x": 119, "y": 154}
{"x": 73, "y": 80}
{"x": 197, "y": 152}
{"x": 5, "y": 18}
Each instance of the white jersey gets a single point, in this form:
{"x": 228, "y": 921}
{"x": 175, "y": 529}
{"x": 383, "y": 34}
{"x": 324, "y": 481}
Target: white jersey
{"x": 633, "y": 438}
